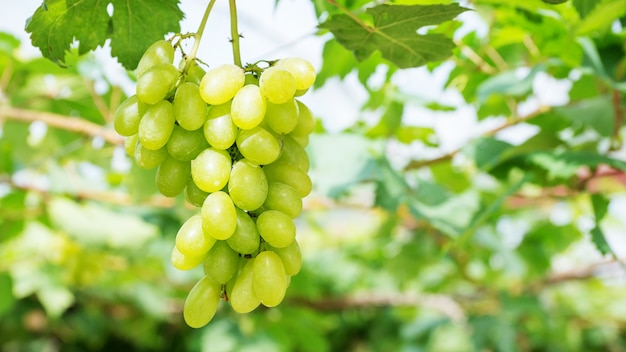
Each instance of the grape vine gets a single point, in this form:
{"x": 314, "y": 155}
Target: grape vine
{"x": 232, "y": 140}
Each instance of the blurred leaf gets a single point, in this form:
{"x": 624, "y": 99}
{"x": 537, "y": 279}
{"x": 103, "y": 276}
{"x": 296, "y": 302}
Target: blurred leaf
{"x": 600, "y": 205}
{"x": 339, "y": 62}
{"x": 451, "y": 216}
{"x": 596, "y": 112}
{"x": 389, "y": 122}
{"x": 394, "y": 33}
{"x": 487, "y": 152}
{"x": 602, "y": 16}
{"x": 584, "y": 87}
{"x": 592, "y": 57}
{"x": 8, "y": 43}
{"x": 507, "y": 83}
{"x": 55, "y": 299}
{"x": 584, "y": 7}
{"x": 409, "y": 134}
{"x": 96, "y": 225}
{"x": 544, "y": 241}
{"x": 6, "y": 293}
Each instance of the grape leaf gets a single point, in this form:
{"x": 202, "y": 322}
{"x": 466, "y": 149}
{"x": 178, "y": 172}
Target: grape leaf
{"x": 136, "y": 24}
{"x": 394, "y": 33}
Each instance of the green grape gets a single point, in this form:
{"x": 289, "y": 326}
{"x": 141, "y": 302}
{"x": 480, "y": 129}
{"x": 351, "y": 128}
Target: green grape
{"x": 191, "y": 239}
{"x": 189, "y": 108}
{"x": 247, "y": 186}
{"x": 242, "y": 297}
{"x": 194, "y": 73}
{"x": 291, "y": 175}
{"x": 156, "y": 125}
{"x": 195, "y": 195}
{"x": 282, "y": 118}
{"x": 228, "y": 287}
{"x": 306, "y": 122}
{"x": 302, "y": 140}
{"x": 201, "y": 303}
{"x": 184, "y": 262}
{"x": 221, "y": 263}
{"x": 300, "y": 92}
{"x": 186, "y": 145}
{"x": 159, "y": 53}
{"x": 283, "y": 198}
{"x": 172, "y": 176}
{"x": 219, "y": 217}
{"x": 154, "y": 85}
{"x": 269, "y": 279}
{"x": 128, "y": 115}
{"x": 294, "y": 154}
{"x": 248, "y": 107}
{"x": 219, "y": 129}
{"x": 258, "y": 145}
{"x": 277, "y": 85}
{"x": 130, "y": 143}
{"x": 246, "y": 238}
{"x": 291, "y": 256}
{"x": 301, "y": 70}
{"x": 220, "y": 84}
{"x": 276, "y": 228}
{"x": 147, "y": 158}
{"x": 210, "y": 170}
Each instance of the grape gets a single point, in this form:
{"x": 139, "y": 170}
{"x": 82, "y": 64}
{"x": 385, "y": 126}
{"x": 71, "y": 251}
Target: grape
{"x": 221, "y": 263}
{"x": 201, "y": 303}
{"x": 128, "y": 115}
{"x": 159, "y": 53}
{"x": 191, "y": 239}
{"x": 156, "y": 125}
{"x": 282, "y": 118}
{"x": 184, "y": 262}
{"x": 246, "y": 238}
{"x": 186, "y": 145}
{"x": 306, "y": 122}
{"x": 148, "y": 159}
{"x": 247, "y": 186}
{"x": 130, "y": 143}
{"x": 258, "y": 145}
{"x": 219, "y": 218}
{"x": 248, "y": 107}
{"x": 195, "y": 72}
{"x": 294, "y": 154}
{"x": 302, "y": 140}
{"x": 283, "y": 198}
{"x": 195, "y": 195}
{"x": 301, "y": 70}
{"x": 189, "y": 108}
{"x": 172, "y": 176}
{"x": 291, "y": 175}
{"x": 277, "y": 85}
{"x": 276, "y": 228}
{"x": 210, "y": 170}
{"x": 242, "y": 297}
{"x": 269, "y": 278}
{"x": 219, "y": 129}
{"x": 291, "y": 257}
{"x": 154, "y": 85}
{"x": 220, "y": 84}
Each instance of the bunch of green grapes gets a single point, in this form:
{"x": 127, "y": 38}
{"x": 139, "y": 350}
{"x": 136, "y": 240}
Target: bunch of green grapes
{"x": 233, "y": 140}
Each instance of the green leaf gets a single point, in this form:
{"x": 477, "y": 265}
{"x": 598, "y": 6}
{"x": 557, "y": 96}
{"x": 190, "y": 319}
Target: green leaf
{"x": 507, "y": 83}
{"x": 596, "y": 112}
{"x": 602, "y": 16}
{"x": 600, "y": 205}
{"x": 487, "y": 151}
{"x": 409, "y": 134}
{"x": 137, "y": 24}
{"x": 393, "y": 33}
{"x": 134, "y": 26}
{"x": 6, "y": 293}
{"x": 584, "y": 7}
{"x": 388, "y": 123}
{"x": 55, "y": 299}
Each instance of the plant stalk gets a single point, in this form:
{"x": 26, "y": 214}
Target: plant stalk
{"x": 234, "y": 33}
{"x": 198, "y": 36}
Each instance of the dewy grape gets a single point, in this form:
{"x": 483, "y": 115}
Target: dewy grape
{"x": 232, "y": 141}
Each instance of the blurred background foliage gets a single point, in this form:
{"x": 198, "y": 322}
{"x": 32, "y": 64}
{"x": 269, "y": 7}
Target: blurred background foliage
{"x": 513, "y": 242}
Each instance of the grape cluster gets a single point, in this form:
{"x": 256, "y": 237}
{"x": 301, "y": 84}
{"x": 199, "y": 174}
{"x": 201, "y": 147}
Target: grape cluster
{"x": 233, "y": 140}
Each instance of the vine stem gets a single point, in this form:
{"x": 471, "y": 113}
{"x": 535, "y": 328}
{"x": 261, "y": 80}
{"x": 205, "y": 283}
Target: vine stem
{"x": 234, "y": 33}
{"x": 198, "y": 36}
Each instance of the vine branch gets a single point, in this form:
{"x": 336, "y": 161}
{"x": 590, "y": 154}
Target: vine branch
{"x": 417, "y": 164}
{"x": 72, "y": 124}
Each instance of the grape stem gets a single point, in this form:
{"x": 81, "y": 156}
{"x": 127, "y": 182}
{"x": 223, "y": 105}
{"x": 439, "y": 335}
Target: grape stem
{"x": 234, "y": 33}
{"x": 197, "y": 37}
